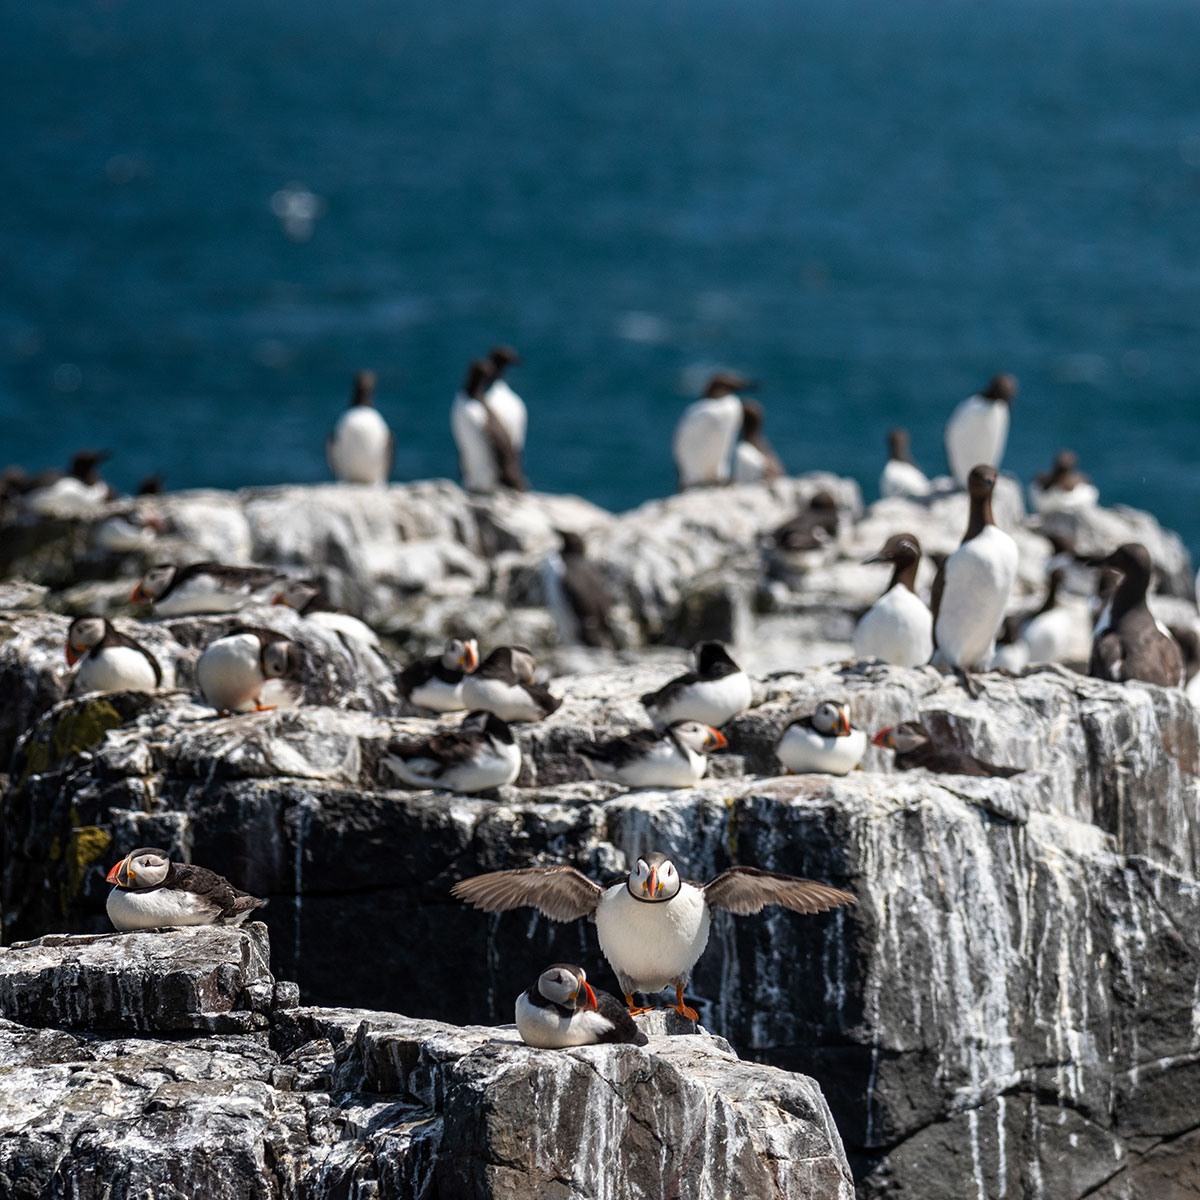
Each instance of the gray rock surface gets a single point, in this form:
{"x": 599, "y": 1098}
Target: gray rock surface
{"x": 337, "y": 1102}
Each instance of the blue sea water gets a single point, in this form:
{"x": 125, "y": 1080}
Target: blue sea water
{"x": 870, "y": 205}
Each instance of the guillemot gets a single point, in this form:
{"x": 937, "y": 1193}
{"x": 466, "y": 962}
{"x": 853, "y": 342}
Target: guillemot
{"x": 900, "y": 475}
{"x": 361, "y": 447}
{"x": 898, "y": 627}
{"x": 577, "y": 594}
{"x": 703, "y": 441}
{"x": 754, "y": 459}
{"x": 488, "y": 455}
{"x": 977, "y": 430}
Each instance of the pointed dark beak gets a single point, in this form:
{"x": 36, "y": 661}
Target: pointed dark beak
{"x": 875, "y": 558}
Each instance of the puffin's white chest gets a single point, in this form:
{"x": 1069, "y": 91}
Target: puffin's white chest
{"x": 345, "y": 625}
{"x": 652, "y": 945}
{"x": 665, "y": 765}
{"x": 204, "y": 594}
{"x": 229, "y": 673}
{"x": 468, "y": 424}
{"x": 549, "y": 1029}
{"x": 494, "y": 764}
{"x": 509, "y": 701}
{"x": 115, "y": 669}
{"x": 703, "y": 441}
{"x": 509, "y": 409}
{"x": 979, "y": 580}
{"x": 803, "y": 750}
{"x": 902, "y": 479}
{"x": 710, "y": 701}
{"x": 976, "y": 433}
{"x": 438, "y": 695}
{"x": 897, "y": 628}
{"x": 163, "y": 906}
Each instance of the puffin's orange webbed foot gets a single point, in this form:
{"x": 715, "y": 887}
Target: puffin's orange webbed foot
{"x": 264, "y": 707}
{"x": 634, "y": 1010}
{"x": 682, "y": 1009}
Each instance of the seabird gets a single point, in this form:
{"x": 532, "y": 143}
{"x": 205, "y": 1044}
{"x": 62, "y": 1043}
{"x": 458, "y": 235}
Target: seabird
{"x": 560, "y": 1008}
{"x": 916, "y": 746}
{"x": 900, "y": 475}
{"x": 203, "y": 587}
{"x": 754, "y": 460}
{"x": 79, "y": 491}
{"x": 674, "y": 757}
{"x": 479, "y": 755}
{"x": 504, "y": 684}
{"x": 503, "y": 401}
{"x": 233, "y": 671}
{"x": 361, "y": 447}
{"x": 653, "y": 926}
{"x": 811, "y": 528}
{"x": 577, "y": 594}
{"x": 1064, "y": 488}
{"x": 307, "y": 598}
{"x": 973, "y": 587}
{"x": 898, "y": 627}
{"x": 1128, "y": 642}
{"x": 823, "y": 742}
{"x": 435, "y": 681}
{"x": 703, "y": 441}
{"x": 151, "y": 892}
{"x": 109, "y": 661}
{"x": 713, "y": 694}
{"x": 1048, "y": 634}
{"x": 487, "y": 455}
{"x": 978, "y": 428}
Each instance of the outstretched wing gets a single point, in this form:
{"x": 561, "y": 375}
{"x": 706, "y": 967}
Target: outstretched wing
{"x": 746, "y": 890}
{"x": 561, "y": 893}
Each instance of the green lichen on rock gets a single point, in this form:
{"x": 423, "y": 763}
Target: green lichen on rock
{"x": 70, "y": 732}
{"x": 87, "y": 844}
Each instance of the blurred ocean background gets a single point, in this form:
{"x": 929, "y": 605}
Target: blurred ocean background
{"x": 213, "y": 214}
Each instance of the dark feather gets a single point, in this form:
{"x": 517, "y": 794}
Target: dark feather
{"x": 418, "y": 674}
{"x": 620, "y": 752}
{"x": 746, "y": 890}
{"x": 624, "y": 1030}
{"x": 587, "y": 594}
{"x": 226, "y": 900}
{"x": 561, "y": 893}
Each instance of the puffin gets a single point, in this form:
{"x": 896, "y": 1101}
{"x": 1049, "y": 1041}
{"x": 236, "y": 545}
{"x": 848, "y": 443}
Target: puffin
{"x": 974, "y": 584}
{"x": 361, "y": 447}
{"x": 900, "y": 475}
{"x": 560, "y": 1008}
{"x": 703, "y": 441}
{"x": 503, "y": 401}
{"x": 504, "y": 684}
{"x": 78, "y": 492}
{"x": 898, "y": 627}
{"x": 978, "y": 428}
{"x": 1064, "y": 488}
{"x": 653, "y": 926}
{"x": 714, "y": 693}
{"x": 811, "y": 528}
{"x": 307, "y": 598}
{"x": 129, "y": 532}
{"x": 203, "y": 587}
{"x": 435, "y": 681}
{"x": 577, "y": 594}
{"x": 488, "y": 456}
{"x": 652, "y": 758}
{"x": 109, "y": 661}
{"x": 754, "y": 461}
{"x": 152, "y": 892}
{"x": 916, "y": 746}
{"x": 479, "y": 755}
{"x": 234, "y": 670}
{"x": 823, "y": 742}
{"x": 1128, "y": 643}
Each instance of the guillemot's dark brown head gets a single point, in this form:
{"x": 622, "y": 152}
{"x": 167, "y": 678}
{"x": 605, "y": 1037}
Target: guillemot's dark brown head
{"x": 364, "y": 388}
{"x": 1003, "y": 388}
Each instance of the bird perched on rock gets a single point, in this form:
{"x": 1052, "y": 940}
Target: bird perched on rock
{"x": 811, "y": 528}
{"x": 435, "y": 681}
{"x": 204, "y": 587}
{"x": 488, "y": 455}
{"x": 109, "y": 661}
{"x": 1064, "y": 488}
{"x": 916, "y": 746}
{"x": 361, "y": 448}
{"x": 824, "y": 742}
{"x": 972, "y": 588}
{"x": 977, "y": 430}
{"x": 674, "y": 757}
{"x": 703, "y": 441}
{"x": 900, "y": 475}
{"x": 898, "y": 627}
{"x": 577, "y": 594}
{"x": 560, "y": 1009}
{"x": 306, "y": 597}
{"x": 130, "y": 532}
{"x": 151, "y": 892}
{"x": 653, "y": 926}
{"x": 233, "y": 671}
{"x": 754, "y": 460}
{"x": 78, "y": 492}
{"x": 714, "y": 693}
{"x": 479, "y": 755}
{"x": 504, "y": 684}
{"x": 1128, "y": 643}
{"x": 1048, "y": 633}
{"x": 503, "y": 401}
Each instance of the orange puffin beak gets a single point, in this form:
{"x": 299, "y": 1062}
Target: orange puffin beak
{"x": 114, "y": 875}
{"x": 279, "y": 599}
{"x": 716, "y": 740}
{"x": 469, "y": 660}
{"x": 843, "y": 725}
{"x": 137, "y": 596}
{"x": 72, "y": 657}
{"x": 651, "y": 884}
{"x": 591, "y": 996}
{"x": 883, "y": 738}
